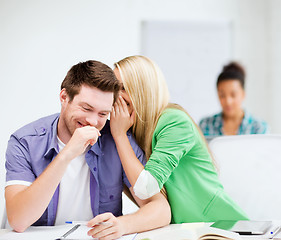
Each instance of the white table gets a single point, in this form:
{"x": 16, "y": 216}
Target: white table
{"x": 171, "y": 230}
{"x": 165, "y": 233}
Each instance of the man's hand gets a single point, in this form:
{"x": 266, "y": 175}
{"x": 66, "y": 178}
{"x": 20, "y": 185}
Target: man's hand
{"x": 80, "y": 140}
{"x": 106, "y": 227}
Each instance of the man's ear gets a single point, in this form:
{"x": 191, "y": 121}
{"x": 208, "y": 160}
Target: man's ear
{"x": 63, "y": 96}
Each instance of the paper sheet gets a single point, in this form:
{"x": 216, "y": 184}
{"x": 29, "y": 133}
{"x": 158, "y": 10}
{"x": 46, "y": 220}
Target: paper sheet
{"x": 52, "y": 233}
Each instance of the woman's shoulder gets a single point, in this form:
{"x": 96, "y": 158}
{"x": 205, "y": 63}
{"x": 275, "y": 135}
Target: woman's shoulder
{"x": 173, "y": 115}
{"x": 173, "y": 112}
{"x": 251, "y": 118}
{"x": 176, "y": 125}
{"x": 257, "y": 125}
{"x": 173, "y": 119}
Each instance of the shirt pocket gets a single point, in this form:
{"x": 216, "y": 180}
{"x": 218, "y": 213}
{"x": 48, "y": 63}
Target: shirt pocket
{"x": 111, "y": 200}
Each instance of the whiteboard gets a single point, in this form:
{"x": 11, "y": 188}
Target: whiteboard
{"x": 191, "y": 55}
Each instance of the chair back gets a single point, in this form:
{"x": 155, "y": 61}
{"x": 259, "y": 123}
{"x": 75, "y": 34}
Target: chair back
{"x": 4, "y": 219}
{"x": 250, "y": 170}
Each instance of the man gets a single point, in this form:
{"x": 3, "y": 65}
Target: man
{"x": 65, "y": 167}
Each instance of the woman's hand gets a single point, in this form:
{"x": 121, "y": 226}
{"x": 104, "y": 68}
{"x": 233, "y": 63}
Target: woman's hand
{"x": 106, "y": 227}
{"x": 120, "y": 118}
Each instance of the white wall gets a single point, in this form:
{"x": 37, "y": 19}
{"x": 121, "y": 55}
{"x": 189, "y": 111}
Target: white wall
{"x": 40, "y": 40}
{"x": 190, "y": 53}
{"x": 274, "y": 78}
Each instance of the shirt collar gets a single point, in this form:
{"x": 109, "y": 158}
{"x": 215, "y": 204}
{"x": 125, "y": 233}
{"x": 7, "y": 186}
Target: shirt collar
{"x": 244, "y": 123}
{"x": 219, "y": 122}
{"x": 247, "y": 116}
{"x": 219, "y": 116}
{"x": 96, "y": 148}
{"x": 53, "y": 146}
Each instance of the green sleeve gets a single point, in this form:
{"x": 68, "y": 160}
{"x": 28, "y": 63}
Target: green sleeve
{"x": 173, "y": 138}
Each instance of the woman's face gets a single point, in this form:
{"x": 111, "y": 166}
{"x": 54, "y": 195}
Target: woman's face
{"x": 231, "y": 95}
{"x": 123, "y": 93}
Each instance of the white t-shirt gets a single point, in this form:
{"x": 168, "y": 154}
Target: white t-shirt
{"x": 74, "y": 194}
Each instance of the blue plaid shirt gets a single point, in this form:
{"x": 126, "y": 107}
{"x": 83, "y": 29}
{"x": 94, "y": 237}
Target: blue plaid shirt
{"x": 213, "y": 126}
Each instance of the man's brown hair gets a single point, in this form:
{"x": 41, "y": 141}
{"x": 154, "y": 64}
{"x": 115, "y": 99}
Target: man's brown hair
{"x": 93, "y": 74}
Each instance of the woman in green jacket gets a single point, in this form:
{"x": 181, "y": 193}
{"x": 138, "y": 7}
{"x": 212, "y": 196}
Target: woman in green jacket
{"x": 178, "y": 157}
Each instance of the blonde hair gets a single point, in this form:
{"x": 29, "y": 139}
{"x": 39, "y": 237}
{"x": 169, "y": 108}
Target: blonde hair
{"x": 145, "y": 84}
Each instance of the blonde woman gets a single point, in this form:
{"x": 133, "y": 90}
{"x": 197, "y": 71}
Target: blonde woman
{"x": 178, "y": 157}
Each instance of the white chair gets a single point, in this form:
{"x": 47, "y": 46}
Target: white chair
{"x": 129, "y": 205}
{"x": 4, "y": 218}
{"x": 250, "y": 169}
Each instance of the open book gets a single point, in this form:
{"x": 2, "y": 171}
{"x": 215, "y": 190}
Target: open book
{"x": 210, "y": 233}
{"x": 192, "y": 231}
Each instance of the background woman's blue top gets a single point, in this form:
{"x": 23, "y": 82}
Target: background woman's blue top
{"x": 213, "y": 126}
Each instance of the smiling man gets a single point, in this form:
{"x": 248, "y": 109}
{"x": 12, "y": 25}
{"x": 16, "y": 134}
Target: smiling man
{"x": 65, "y": 167}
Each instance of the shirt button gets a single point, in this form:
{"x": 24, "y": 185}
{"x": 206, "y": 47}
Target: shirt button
{"x": 42, "y": 131}
{"x": 111, "y": 197}
{"x": 95, "y": 169}
{"x": 89, "y": 151}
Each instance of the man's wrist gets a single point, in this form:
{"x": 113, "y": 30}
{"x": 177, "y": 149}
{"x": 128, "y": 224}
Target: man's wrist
{"x": 125, "y": 225}
{"x": 65, "y": 156}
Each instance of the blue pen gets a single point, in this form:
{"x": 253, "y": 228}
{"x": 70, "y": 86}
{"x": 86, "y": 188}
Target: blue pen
{"x": 77, "y": 222}
{"x": 273, "y": 233}
{"x": 85, "y": 223}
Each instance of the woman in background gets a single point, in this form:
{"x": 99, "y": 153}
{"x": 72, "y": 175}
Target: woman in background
{"x": 178, "y": 157}
{"x": 233, "y": 119}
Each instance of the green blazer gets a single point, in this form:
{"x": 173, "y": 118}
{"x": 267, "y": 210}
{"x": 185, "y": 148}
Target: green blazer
{"x": 181, "y": 162}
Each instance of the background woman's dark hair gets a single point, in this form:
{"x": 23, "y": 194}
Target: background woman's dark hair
{"x": 232, "y": 71}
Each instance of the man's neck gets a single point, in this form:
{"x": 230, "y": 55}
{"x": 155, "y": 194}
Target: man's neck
{"x": 62, "y": 132}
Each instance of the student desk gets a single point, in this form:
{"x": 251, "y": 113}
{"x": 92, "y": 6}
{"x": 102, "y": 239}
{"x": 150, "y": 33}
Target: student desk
{"x": 168, "y": 233}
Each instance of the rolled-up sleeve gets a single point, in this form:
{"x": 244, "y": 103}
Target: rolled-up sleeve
{"x": 18, "y": 166}
{"x": 174, "y": 137}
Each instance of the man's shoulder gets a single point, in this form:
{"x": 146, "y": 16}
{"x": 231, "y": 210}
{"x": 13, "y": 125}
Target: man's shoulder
{"x": 108, "y": 140}
{"x": 106, "y": 131}
{"x": 37, "y": 127}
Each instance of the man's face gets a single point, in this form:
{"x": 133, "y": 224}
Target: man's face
{"x": 90, "y": 107}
